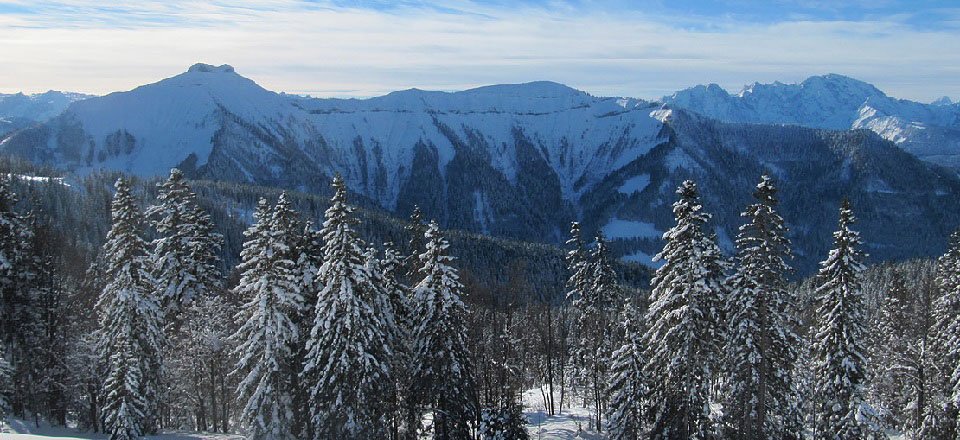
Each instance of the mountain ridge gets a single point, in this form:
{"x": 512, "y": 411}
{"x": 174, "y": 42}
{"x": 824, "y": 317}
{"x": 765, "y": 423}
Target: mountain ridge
{"x": 832, "y": 101}
{"x": 516, "y": 161}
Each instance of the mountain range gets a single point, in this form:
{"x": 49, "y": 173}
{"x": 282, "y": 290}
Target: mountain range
{"x": 19, "y": 110}
{"x": 522, "y": 161}
{"x": 835, "y": 102}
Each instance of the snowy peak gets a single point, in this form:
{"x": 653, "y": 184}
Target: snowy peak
{"x": 835, "y": 102}
{"x": 943, "y": 100}
{"x": 209, "y": 68}
{"x": 37, "y": 107}
{"x": 536, "y": 89}
{"x": 833, "y": 84}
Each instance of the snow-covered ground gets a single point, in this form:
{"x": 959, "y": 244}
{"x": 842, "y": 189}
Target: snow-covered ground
{"x": 14, "y": 429}
{"x": 573, "y": 421}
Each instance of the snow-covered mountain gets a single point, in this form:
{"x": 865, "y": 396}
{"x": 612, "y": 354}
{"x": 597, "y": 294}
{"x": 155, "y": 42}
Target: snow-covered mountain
{"x": 930, "y": 131}
{"x": 517, "y": 161}
{"x": 19, "y": 110}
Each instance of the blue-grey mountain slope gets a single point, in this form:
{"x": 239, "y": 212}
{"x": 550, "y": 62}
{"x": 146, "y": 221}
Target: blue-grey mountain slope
{"x": 517, "y": 161}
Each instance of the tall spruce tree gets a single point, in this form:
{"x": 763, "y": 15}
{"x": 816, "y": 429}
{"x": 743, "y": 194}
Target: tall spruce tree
{"x": 577, "y": 265}
{"x": 942, "y": 418}
{"x": 349, "y": 348}
{"x": 415, "y": 231}
{"x": 309, "y": 259}
{"x": 400, "y": 303}
{"x": 596, "y": 307}
{"x": 6, "y": 385}
{"x": 891, "y": 350}
{"x": 185, "y": 265}
{"x": 761, "y": 343}
{"x": 628, "y": 386}
{"x": 840, "y": 338}
{"x": 18, "y": 297}
{"x": 130, "y": 335}
{"x": 185, "y": 257}
{"x": 683, "y": 339}
{"x": 271, "y": 294}
{"x": 443, "y": 380}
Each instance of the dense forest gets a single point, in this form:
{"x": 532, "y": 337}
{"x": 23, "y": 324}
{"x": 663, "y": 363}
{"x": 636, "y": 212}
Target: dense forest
{"x": 132, "y": 307}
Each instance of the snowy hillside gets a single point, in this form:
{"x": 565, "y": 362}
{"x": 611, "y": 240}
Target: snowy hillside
{"x": 523, "y": 160}
{"x": 930, "y": 131}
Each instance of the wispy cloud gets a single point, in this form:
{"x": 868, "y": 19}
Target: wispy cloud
{"x": 352, "y": 48}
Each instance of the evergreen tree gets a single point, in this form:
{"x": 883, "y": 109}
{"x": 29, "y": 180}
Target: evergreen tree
{"x": 840, "y": 337}
{"x": 130, "y": 338}
{"x": 310, "y": 257}
{"x": 682, "y": 342}
{"x": 503, "y": 423}
{"x": 443, "y": 377}
{"x": 595, "y": 307}
{"x": 627, "y": 384}
{"x": 271, "y": 294}
{"x": 6, "y": 385}
{"x": 941, "y": 418}
{"x": 577, "y": 266}
{"x": 15, "y": 299}
{"x": 761, "y": 343}
{"x": 416, "y": 230}
{"x": 398, "y": 297}
{"x": 185, "y": 258}
{"x": 348, "y": 359}
{"x": 185, "y": 265}
{"x": 890, "y": 352}
{"x": 18, "y": 297}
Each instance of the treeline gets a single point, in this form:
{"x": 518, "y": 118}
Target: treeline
{"x": 727, "y": 349}
{"x": 318, "y": 333}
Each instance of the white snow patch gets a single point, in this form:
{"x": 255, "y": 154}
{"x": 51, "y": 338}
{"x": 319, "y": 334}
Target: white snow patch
{"x": 43, "y": 179}
{"x": 644, "y": 259}
{"x": 635, "y": 184}
{"x": 618, "y": 228}
{"x": 573, "y": 422}
{"x": 15, "y": 429}
{"x": 662, "y": 114}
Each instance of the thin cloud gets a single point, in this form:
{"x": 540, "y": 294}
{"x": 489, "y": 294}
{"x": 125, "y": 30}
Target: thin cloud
{"x": 332, "y": 49}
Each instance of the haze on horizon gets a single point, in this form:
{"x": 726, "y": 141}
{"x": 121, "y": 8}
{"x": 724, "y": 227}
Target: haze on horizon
{"x": 371, "y": 47}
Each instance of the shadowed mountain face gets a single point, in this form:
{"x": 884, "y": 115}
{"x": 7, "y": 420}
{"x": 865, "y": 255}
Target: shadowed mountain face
{"x": 518, "y": 161}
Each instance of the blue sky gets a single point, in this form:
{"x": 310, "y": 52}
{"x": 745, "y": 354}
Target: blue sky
{"x": 363, "y": 48}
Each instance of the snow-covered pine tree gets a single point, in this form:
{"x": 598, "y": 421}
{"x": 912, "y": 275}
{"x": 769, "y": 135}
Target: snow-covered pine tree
{"x": 596, "y": 308}
{"x": 761, "y": 343}
{"x": 185, "y": 265}
{"x": 309, "y": 259}
{"x": 415, "y": 229}
{"x": 840, "y": 338}
{"x": 398, "y": 296}
{"x": 6, "y": 385}
{"x": 577, "y": 266}
{"x": 270, "y": 291}
{"x": 578, "y": 295}
{"x": 942, "y": 418}
{"x": 682, "y": 342}
{"x": 444, "y": 381}
{"x": 185, "y": 257}
{"x": 15, "y": 300}
{"x": 890, "y": 352}
{"x": 627, "y": 387}
{"x": 130, "y": 337}
{"x": 503, "y": 423}
{"x": 18, "y": 311}
{"x": 348, "y": 351}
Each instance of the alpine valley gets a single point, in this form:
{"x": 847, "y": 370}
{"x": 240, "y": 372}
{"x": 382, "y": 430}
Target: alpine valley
{"x": 522, "y": 161}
